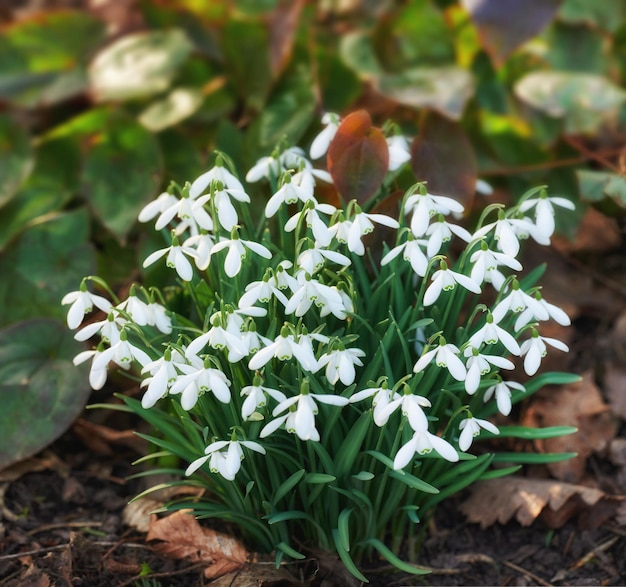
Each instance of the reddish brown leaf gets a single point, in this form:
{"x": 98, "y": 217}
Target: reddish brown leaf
{"x": 504, "y": 25}
{"x": 358, "y": 157}
{"x": 182, "y": 536}
{"x": 283, "y": 23}
{"x": 580, "y": 405}
{"x": 499, "y": 500}
{"x": 443, "y": 156}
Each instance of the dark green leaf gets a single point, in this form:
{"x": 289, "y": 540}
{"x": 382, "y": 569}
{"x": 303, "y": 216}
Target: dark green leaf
{"x": 596, "y": 186}
{"x": 394, "y": 560}
{"x": 605, "y": 14}
{"x": 42, "y": 392}
{"x": 16, "y": 158}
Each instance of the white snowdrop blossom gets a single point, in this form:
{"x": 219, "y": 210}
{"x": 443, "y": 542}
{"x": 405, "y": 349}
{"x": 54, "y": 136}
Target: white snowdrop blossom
{"x": 226, "y": 212}
{"x": 445, "y": 279}
{"x": 202, "y": 243}
{"x": 516, "y": 301}
{"x": 108, "y": 329}
{"x": 311, "y": 292}
{"x": 313, "y": 259}
{"x": 445, "y": 356}
{"x": 491, "y": 333}
{"x": 265, "y": 167}
{"x": 159, "y": 317}
{"x": 554, "y": 312}
{"x": 362, "y": 224}
{"x": 382, "y": 397}
{"x": 424, "y": 206}
{"x": 507, "y": 232}
{"x": 136, "y": 308}
{"x": 122, "y": 353}
{"x": 256, "y": 397}
{"x": 485, "y": 266}
{"x": 97, "y": 371}
{"x": 478, "y": 365}
{"x": 441, "y": 232}
{"x": 262, "y": 291}
{"x": 176, "y": 258}
{"x": 413, "y": 252}
{"x": 422, "y": 443}
{"x": 163, "y": 374}
{"x": 289, "y": 193}
{"x": 534, "y": 349}
{"x": 82, "y": 302}
{"x": 224, "y": 457}
{"x": 284, "y": 348}
{"x": 319, "y": 228}
{"x": 157, "y": 207}
{"x": 502, "y": 391}
{"x": 340, "y": 365}
{"x": 411, "y": 406}
{"x": 470, "y": 429}
{"x": 218, "y": 174}
{"x": 322, "y": 141}
{"x": 237, "y": 252}
{"x": 544, "y": 211}
{"x": 301, "y": 419}
{"x": 399, "y": 151}
{"x": 197, "y": 379}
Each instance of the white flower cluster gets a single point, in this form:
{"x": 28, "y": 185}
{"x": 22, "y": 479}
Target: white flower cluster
{"x": 301, "y": 307}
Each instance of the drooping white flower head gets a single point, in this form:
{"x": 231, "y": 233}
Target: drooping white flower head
{"x": 554, "y": 312}
{"x": 284, "y": 347}
{"x": 544, "y": 211}
{"x": 122, "y": 353}
{"x": 322, "y": 141}
{"x": 424, "y": 205}
{"x": 534, "y": 349}
{"x": 502, "y": 391}
{"x": 340, "y": 364}
{"x": 198, "y": 378}
{"x": 490, "y": 333}
{"x": 237, "y": 252}
{"x": 470, "y": 429}
{"x": 486, "y": 263}
{"x": 256, "y": 397}
{"x": 516, "y": 301}
{"x": 383, "y": 395}
{"x": 82, "y": 302}
{"x": 479, "y": 364}
{"x": 176, "y": 258}
{"x": 399, "y": 151}
{"x": 218, "y": 174}
{"x": 411, "y": 406}
{"x": 224, "y": 457}
{"x": 413, "y": 252}
{"x": 163, "y": 373}
{"x": 445, "y": 279}
{"x": 441, "y": 232}
{"x": 422, "y": 443}
{"x": 445, "y": 356}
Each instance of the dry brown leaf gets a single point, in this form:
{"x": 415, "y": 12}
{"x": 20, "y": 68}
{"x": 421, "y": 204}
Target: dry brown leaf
{"x": 283, "y": 24}
{"x": 138, "y": 513}
{"x": 580, "y": 405}
{"x": 498, "y": 500}
{"x": 257, "y": 575}
{"x": 99, "y": 438}
{"x": 614, "y": 384}
{"x": 183, "y": 537}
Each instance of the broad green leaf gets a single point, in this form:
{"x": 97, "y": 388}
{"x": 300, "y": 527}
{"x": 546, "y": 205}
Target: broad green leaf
{"x": 46, "y": 261}
{"x": 138, "y": 65}
{"x": 121, "y": 172}
{"x": 16, "y": 158}
{"x": 604, "y": 14}
{"x": 181, "y": 158}
{"x": 48, "y": 188}
{"x": 358, "y": 157}
{"x": 445, "y": 89}
{"x": 443, "y": 156}
{"x": 576, "y": 48}
{"x": 42, "y": 59}
{"x": 42, "y": 391}
{"x": 179, "y": 104}
{"x": 504, "y": 25}
{"x": 583, "y": 100}
{"x": 596, "y": 186}
{"x": 357, "y": 52}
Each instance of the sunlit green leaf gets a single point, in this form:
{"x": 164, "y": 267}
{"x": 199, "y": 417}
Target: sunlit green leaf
{"x": 576, "y": 48}
{"x": 179, "y": 104}
{"x": 42, "y": 391}
{"x": 445, "y": 89}
{"x": 121, "y": 172}
{"x": 138, "y": 65}
{"x": 583, "y": 100}
{"x": 604, "y": 14}
{"x": 357, "y": 52}
{"x": 16, "y": 158}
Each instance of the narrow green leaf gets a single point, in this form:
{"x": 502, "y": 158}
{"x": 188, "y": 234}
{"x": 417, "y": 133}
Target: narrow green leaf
{"x": 346, "y": 559}
{"x": 497, "y": 473}
{"x": 531, "y": 433}
{"x": 363, "y": 476}
{"x": 319, "y": 478}
{"x": 413, "y": 481}
{"x": 287, "y": 486}
{"x": 346, "y": 455}
{"x": 284, "y": 547}
{"x": 288, "y": 515}
{"x": 343, "y": 528}
{"x": 532, "y": 458}
{"x": 394, "y": 560}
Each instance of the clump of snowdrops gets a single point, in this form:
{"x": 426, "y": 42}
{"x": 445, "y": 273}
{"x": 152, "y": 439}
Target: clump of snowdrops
{"x": 326, "y": 386}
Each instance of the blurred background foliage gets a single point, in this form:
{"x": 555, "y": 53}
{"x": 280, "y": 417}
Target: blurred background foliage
{"x": 102, "y": 103}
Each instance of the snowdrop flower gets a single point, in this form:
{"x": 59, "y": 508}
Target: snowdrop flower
{"x": 289, "y": 193}
{"x": 321, "y": 233}
{"x": 256, "y": 397}
{"x": 197, "y": 379}
{"x": 441, "y": 232}
{"x": 82, "y": 302}
{"x": 301, "y": 419}
{"x": 502, "y": 391}
{"x": 313, "y": 259}
{"x": 311, "y": 291}
{"x": 362, "y": 224}
{"x": 485, "y": 266}
{"x": 158, "y": 317}
{"x": 202, "y": 243}
{"x": 217, "y": 174}
{"x": 411, "y": 406}
{"x": 444, "y": 355}
{"x": 553, "y": 311}
{"x": 399, "y": 151}
{"x": 544, "y": 211}
{"x": 516, "y": 301}
{"x": 176, "y": 258}
{"x": 340, "y": 364}
{"x": 264, "y": 167}
{"x": 157, "y": 207}
{"x": 226, "y": 213}
{"x": 412, "y": 252}
{"x": 479, "y": 365}
{"x": 97, "y": 371}
{"x": 224, "y": 457}
{"x": 284, "y": 348}
{"x": 382, "y": 397}
{"x": 422, "y": 443}
{"x": 262, "y": 291}
{"x": 445, "y": 279}
{"x": 491, "y": 333}
{"x": 425, "y": 205}
{"x": 470, "y": 429}
{"x": 108, "y": 329}
{"x": 507, "y": 232}
{"x": 163, "y": 373}
{"x": 237, "y": 252}
{"x": 122, "y": 353}
{"x": 189, "y": 211}
{"x": 322, "y": 141}
{"x": 534, "y": 349}
{"x": 137, "y": 309}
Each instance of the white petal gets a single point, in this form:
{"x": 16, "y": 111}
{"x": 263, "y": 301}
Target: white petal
{"x": 404, "y": 455}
